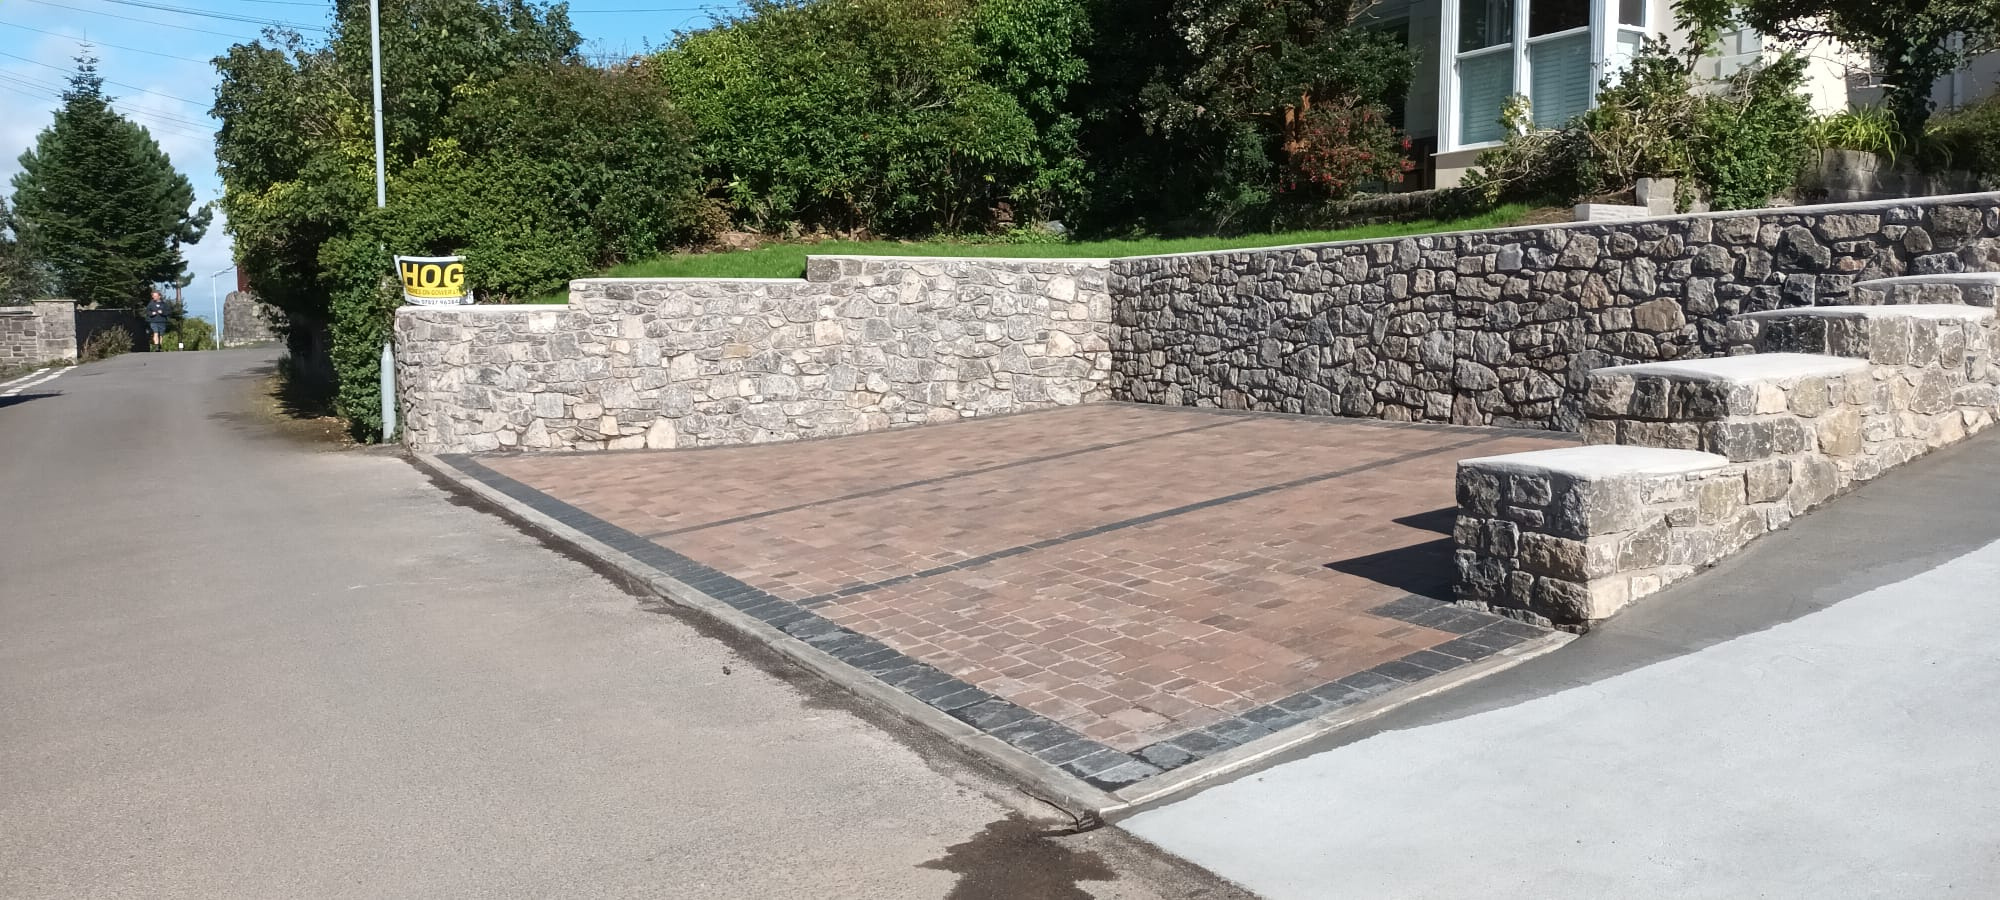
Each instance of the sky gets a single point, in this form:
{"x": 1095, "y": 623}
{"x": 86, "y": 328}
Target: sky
{"x": 154, "y": 57}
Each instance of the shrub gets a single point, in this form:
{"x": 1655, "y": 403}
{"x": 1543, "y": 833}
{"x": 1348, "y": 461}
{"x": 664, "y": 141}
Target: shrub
{"x": 1338, "y": 147}
{"x": 106, "y": 344}
{"x": 1739, "y": 142}
{"x": 1968, "y": 139}
{"x": 1869, "y": 129}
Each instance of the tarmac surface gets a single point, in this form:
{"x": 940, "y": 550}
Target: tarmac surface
{"x": 235, "y": 662}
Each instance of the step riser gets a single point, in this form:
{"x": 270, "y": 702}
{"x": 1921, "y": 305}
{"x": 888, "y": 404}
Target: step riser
{"x": 1882, "y": 341}
{"x": 1982, "y": 295}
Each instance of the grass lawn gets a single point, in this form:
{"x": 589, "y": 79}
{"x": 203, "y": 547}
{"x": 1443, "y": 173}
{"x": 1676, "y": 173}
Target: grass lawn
{"x": 789, "y": 260}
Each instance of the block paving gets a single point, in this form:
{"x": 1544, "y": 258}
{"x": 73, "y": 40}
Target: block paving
{"x": 1118, "y": 589}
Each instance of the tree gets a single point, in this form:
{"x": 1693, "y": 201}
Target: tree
{"x": 22, "y": 276}
{"x": 1219, "y": 96}
{"x": 1915, "y": 42}
{"x": 100, "y": 203}
{"x": 858, "y": 114}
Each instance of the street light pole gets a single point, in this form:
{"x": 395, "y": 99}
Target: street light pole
{"x": 375, "y": 47}
{"x": 216, "y": 304}
{"x": 381, "y": 200}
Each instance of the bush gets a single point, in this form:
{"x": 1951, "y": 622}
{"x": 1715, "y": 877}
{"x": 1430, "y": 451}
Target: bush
{"x": 189, "y": 334}
{"x": 864, "y": 114}
{"x": 1968, "y": 139}
{"x": 1739, "y": 142}
{"x": 106, "y": 344}
{"x": 1869, "y": 129}
{"x": 1339, "y": 147}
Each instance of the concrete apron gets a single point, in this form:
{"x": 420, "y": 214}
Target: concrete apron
{"x": 1087, "y": 804}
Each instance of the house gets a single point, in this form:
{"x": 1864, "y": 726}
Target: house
{"x": 1473, "y": 54}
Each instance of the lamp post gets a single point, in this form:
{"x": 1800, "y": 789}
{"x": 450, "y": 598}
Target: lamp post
{"x": 215, "y": 303}
{"x": 382, "y": 200}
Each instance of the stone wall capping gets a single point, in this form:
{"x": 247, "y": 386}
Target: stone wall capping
{"x": 481, "y": 308}
{"x": 1744, "y": 369}
{"x": 1601, "y": 461}
{"x": 1965, "y": 278}
{"x": 1868, "y": 206}
{"x": 1929, "y": 311}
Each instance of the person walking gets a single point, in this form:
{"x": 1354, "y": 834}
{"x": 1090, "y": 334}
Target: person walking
{"x": 156, "y": 316}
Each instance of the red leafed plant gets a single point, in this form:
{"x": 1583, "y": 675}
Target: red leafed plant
{"x": 1339, "y": 145}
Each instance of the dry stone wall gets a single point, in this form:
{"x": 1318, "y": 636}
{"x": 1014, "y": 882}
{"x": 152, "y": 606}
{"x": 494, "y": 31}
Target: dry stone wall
{"x": 862, "y": 343}
{"x": 1502, "y": 327}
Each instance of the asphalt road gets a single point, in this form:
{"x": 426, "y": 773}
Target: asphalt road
{"x": 236, "y": 664}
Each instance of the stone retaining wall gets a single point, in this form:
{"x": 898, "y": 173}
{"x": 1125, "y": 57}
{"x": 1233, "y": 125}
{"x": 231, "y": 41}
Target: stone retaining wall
{"x": 38, "y": 332}
{"x": 862, "y": 343}
{"x": 1502, "y": 327}
{"x": 246, "y": 320}
{"x": 1696, "y": 459}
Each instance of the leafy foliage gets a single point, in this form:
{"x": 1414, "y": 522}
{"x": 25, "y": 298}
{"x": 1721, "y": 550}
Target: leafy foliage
{"x": 1341, "y": 146}
{"x": 99, "y": 204}
{"x": 1915, "y": 42}
{"x": 501, "y": 146}
{"x": 1740, "y": 142}
{"x": 860, "y": 114}
{"x": 22, "y": 276}
{"x": 1968, "y": 139}
{"x": 1869, "y": 129}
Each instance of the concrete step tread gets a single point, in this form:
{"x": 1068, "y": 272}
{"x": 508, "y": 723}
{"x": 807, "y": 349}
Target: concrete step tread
{"x": 1600, "y": 461}
{"x": 1935, "y": 311}
{"x": 1744, "y": 369}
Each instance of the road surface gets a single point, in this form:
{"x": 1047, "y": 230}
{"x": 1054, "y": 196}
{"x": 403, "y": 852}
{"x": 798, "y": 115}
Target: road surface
{"x": 233, "y": 664}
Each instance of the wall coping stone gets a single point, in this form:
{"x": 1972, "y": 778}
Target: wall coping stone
{"x": 1974, "y": 278}
{"x": 1597, "y": 462}
{"x": 483, "y": 308}
{"x": 1929, "y": 311}
{"x": 1814, "y": 209}
{"x": 1741, "y": 369}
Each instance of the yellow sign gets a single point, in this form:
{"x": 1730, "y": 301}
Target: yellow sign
{"x": 433, "y": 280}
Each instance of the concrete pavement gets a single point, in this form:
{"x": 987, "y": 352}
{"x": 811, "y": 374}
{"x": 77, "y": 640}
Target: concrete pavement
{"x": 234, "y": 665}
{"x": 1815, "y": 718}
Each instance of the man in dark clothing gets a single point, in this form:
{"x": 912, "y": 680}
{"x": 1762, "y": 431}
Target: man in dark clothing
{"x": 156, "y": 316}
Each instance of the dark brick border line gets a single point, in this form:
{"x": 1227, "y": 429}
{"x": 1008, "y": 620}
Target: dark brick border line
{"x": 818, "y": 600}
{"x": 1480, "y": 635}
{"x": 1353, "y": 421}
{"x": 925, "y": 482}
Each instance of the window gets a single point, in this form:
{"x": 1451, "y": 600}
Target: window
{"x": 1552, "y": 51}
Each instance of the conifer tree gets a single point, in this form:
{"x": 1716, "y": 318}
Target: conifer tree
{"x": 100, "y": 204}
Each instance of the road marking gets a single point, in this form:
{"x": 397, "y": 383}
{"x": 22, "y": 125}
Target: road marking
{"x": 25, "y": 382}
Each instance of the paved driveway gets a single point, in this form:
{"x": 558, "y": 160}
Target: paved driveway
{"x": 1138, "y": 586}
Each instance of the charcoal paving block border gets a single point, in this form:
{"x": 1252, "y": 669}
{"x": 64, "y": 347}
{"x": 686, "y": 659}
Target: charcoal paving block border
{"x": 1482, "y": 636}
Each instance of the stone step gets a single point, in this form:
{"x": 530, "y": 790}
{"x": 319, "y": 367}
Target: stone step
{"x": 1966, "y": 288}
{"x": 1743, "y": 407}
{"x": 1922, "y": 334}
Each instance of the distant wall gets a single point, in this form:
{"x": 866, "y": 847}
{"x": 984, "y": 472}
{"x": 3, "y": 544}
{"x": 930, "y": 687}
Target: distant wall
{"x": 1502, "y": 327}
{"x": 41, "y": 331}
{"x": 862, "y": 343}
{"x": 246, "y": 320}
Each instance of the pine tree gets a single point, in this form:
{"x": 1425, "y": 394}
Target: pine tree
{"x": 100, "y": 203}
{"x": 22, "y": 277}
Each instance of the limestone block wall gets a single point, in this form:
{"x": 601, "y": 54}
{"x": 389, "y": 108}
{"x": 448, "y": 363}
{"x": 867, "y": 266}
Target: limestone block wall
{"x": 1694, "y": 459}
{"x": 862, "y": 343}
{"x": 37, "y": 332}
{"x": 1503, "y": 327}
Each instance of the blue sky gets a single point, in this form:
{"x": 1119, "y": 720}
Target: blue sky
{"x": 154, "y": 57}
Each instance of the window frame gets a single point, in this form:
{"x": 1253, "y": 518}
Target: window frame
{"x": 1604, "y": 28}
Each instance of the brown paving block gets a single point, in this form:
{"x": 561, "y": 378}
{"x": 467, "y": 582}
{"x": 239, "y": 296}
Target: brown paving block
{"x": 1128, "y": 636}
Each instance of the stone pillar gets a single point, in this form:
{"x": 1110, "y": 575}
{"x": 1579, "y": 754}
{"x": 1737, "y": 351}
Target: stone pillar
{"x": 58, "y": 329}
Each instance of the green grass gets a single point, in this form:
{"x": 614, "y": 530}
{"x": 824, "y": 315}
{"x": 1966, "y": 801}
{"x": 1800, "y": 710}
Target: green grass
{"x": 789, "y": 260}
